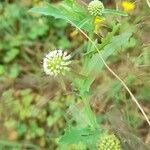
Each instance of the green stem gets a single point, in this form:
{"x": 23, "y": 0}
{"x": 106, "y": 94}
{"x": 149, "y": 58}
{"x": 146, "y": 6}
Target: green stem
{"x": 89, "y": 113}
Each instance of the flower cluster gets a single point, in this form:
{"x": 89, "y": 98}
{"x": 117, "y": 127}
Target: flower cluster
{"x": 56, "y": 63}
{"x": 95, "y": 8}
{"x": 109, "y": 142}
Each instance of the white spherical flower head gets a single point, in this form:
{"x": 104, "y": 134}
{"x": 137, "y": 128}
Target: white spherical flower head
{"x": 95, "y": 8}
{"x": 56, "y": 63}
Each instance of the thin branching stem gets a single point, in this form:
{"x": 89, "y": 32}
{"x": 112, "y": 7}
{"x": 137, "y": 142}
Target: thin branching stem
{"x": 113, "y": 73}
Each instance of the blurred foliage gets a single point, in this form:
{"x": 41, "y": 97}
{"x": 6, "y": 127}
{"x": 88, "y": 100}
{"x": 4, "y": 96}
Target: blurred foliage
{"x": 21, "y": 50}
{"x": 25, "y": 119}
{"x": 21, "y": 33}
{"x": 28, "y": 115}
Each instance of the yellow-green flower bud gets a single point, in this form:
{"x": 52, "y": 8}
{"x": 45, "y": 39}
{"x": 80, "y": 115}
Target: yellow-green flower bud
{"x": 95, "y": 8}
{"x": 109, "y": 142}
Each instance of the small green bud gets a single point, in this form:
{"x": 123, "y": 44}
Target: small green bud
{"x": 95, "y": 8}
{"x": 109, "y": 142}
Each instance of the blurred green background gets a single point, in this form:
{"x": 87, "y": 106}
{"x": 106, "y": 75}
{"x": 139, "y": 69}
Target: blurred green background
{"x": 33, "y": 107}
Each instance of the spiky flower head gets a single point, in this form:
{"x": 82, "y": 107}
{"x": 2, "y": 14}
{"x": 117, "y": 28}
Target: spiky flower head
{"x": 95, "y": 8}
{"x": 56, "y": 63}
{"x": 109, "y": 142}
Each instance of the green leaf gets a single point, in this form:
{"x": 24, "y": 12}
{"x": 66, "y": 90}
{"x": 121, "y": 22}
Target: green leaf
{"x": 48, "y": 9}
{"x": 27, "y": 100}
{"x": 26, "y": 92}
{"x": 144, "y": 94}
{"x": 21, "y": 128}
{"x": 80, "y": 135}
{"x": 40, "y": 132}
{"x": 51, "y": 120}
{"x": 38, "y": 30}
{"x": 106, "y": 40}
{"x": 67, "y": 12}
{"x": 11, "y": 54}
{"x": 14, "y": 70}
{"x": 117, "y": 42}
{"x": 116, "y": 12}
{"x": 2, "y": 69}
{"x": 95, "y": 64}
{"x": 75, "y": 112}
